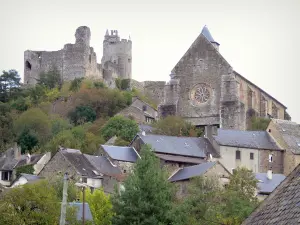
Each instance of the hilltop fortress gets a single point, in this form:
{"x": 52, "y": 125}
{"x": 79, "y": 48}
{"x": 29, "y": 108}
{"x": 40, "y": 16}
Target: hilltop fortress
{"x": 203, "y": 88}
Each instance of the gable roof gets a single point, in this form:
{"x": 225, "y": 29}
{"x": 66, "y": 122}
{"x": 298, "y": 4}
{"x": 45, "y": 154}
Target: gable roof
{"x": 246, "y": 139}
{"x": 191, "y": 171}
{"x": 79, "y": 162}
{"x": 290, "y": 132}
{"x": 282, "y": 206}
{"x": 184, "y": 146}
{"x": 79, "y": 206}
{"x": 103, "y": 165}
{"x": 120, "y": 153}
{"x": 179, "y": 158}
{"x": 266, "y": 185}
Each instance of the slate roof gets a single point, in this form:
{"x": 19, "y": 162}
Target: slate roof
{"x": 103, "y": 165}
{"x": 125, "y": 154}
{"x": 184, "y": 146}
{"x": 208, "y": 35}
{"x": 31, "y": 177}
{"x": 191, "y": 171}
{"x": 80, "y": 162}
{"x": 282, "y": 206}
{"x": 88, "y": 214}
{"x": 179, "y": 158}
{"x": 246, "y": 139}
{"x": 146, "y": 128}
{"x": 290, "y": 132}
{"x": 267, "y": 186}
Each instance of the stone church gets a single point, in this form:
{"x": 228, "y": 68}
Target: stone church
{"x": 205, "y": 90}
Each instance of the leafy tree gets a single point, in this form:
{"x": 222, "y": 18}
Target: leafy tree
{"x": 258, "y": 123}
{"x": 27, "y": 141}
{"x": 37, "y": 94}
{"x": 32, "y": 204}
{"x": 82, "y": 114}
{"x": 28, "y": 169}
{"x": 9, "y": 85}
{"x": 59, "y": 124}
{"x": 121, "y": 142}
{"x": 76, "y": 84}
{"x": 20, "y": 104}
{"x": 50, "y": 79}
{"x": 147, "y": 196}
{"x": 99, "y": 84}
{"x": 100, "y": 205}
{"x": 176, "y": 126}
{"x": 6, "y": 126}
{"x": 121, "y": 127}
{"x": 35, "y": 122}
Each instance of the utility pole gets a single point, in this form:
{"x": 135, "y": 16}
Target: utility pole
{"x": 83, "y": 206}
{"x": 64, "y": 201}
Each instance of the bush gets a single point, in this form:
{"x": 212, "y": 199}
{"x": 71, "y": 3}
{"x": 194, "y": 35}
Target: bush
{"x": 27, "y": 141}
{"x": 82, "y": 114}
{"x": 76, "y": 84}
{"x": 50, "y": 79}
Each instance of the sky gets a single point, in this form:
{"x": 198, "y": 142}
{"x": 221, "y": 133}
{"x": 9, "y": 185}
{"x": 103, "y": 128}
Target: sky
{"x": 259, "y": 38}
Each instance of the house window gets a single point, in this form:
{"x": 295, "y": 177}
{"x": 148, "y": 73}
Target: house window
{"x": 270, "y": 158}
{"x": 149, "y": 119}
{"x": 238, "y": 154}
{"x": 252, "y": 155}
{"x": 84, "y": 179}
{"x": 144, "y": 108}
{"x": 124, "y": 171}
{"x": 5, "y": 175}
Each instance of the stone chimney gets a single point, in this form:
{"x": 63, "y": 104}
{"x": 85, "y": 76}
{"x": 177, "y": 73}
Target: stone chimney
{"x": 269, "y": 174}
{"x": 17, "y": 151}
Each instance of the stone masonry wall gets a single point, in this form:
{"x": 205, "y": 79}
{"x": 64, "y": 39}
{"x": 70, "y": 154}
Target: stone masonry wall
{"x": 276, "y": 166}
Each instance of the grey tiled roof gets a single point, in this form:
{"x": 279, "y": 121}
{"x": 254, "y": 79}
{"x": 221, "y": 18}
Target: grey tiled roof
{"x": 80, "y": 163}
{"x": 31, "y": 177}
{"x": 179, "y": 158}
{"x": 79, "y": 206}
{"x": 282, "y": 206}
{"x": 191, "y": 171}
{"x": 126, "y": 154}
{"x": 184, "y": 146}
{"x": 207, "y": 34}
{"x": 146, "y": 128}
{"x": 290, "y": 132}
{"x": 267, "y": 186}
{"x": 246, "y": 139}
{"x": 103, "y": 165}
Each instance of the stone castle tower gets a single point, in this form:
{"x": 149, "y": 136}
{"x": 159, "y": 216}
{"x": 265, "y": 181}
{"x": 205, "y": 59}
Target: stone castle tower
{"x": 117, "y": 54}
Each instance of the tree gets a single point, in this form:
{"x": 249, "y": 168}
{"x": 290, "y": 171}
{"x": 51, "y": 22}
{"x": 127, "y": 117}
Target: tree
{"x": 50, "y": 79}
{"x": 121, "y": 127}
{"x": 147, "y": 196}
{"x": 27, "y": 141}
{"x": 82, "y": 114}
{"x": 258, "y": 123}
{"x": 76, "y": 84}
{"x": 31, "y": 204}
{"x": 176, "y": 126}
{"x": 9, "y": 85}
{"x": 100, "y": 205}
{"x": 6, "y": 126}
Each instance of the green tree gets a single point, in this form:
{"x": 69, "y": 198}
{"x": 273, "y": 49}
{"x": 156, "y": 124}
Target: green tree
{"x": 75, "y": 84}
{"x": 59, "y": 124}
{"x": 258, "y": 123}
{"x": 20, "y": 104}
{"x": 82, "y": 114}
{"x": 27, "y": 141}
{"x": 147, "y": 196}
{"x": 6, "y": 126}
{"x": 50, "y": 79}
{"x": 176, "y": 126}
{"x": 37, "y": 94}
{"x": 121, "y": 127}
{"x": 31, "y": 204}
{"x": 100, "y": 205}
{"x": 9, "y": 85}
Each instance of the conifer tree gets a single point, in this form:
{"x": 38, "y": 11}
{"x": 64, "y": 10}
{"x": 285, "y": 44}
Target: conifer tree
{"x": 147, "y": 195}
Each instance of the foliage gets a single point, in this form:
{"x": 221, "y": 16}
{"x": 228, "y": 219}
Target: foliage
{"x": 82, "y": 114}
{"x": 76, "y": 84}
{"x": 121, "y": 127}
{"x": 28, "y": 169}
{"x": 9, "y": 85}
{"x": 6, "y": 126}
{"x": 37, "y": 94}
{"x": 27, "y": 141}
{"x": 58, "y": 184}
{"x": 52, "y": 94}
{"x": 100, "y": 205}
{"x": 258, "y": 123}
{"x": 145, "y": 98}
{"x": 99, "y": 84}
{"x": 32, "y": 204}
{"x": 50, "y": 79}
{"x": 176, "y": 126}
{"x": 34, "y": 121}
{"x": 59, "y": 124}
{"x": 20, "y": 104}
{"x": 120, "y": 142}
{"x": 147, "y": 196}
{"x": 122, "y": 84}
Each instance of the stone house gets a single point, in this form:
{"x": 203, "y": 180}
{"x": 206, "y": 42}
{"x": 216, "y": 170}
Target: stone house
{"x": 121, "y": 157}
{"x": 176, "y": 152}
{"x": 140, "y": 111}
{"x": 287, "y": 136}
{"x": 12, "y": 160}
{"x": 182, "y": 176}
{"x": 267, "y": 182}
{"x": 94, "y": 171}
{"x": 255, "y": 150}
{"x": 282, "y": 206}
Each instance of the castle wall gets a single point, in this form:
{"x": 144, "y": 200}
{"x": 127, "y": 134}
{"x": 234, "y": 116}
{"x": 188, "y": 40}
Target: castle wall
{"x": 202, "y": 65}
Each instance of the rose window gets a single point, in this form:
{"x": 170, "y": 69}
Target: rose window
{"x": 200, "y": 94}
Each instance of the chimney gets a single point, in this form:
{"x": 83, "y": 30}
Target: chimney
{"x": 269, "y": 174}
{"x": 17, "y": 151}
{"x": 208, "y": 132}
{"x": 28, "y": 158}
{"x": 143, "y": 133}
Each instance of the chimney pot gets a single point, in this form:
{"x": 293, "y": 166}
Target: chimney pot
{"x": 269, "y": 174}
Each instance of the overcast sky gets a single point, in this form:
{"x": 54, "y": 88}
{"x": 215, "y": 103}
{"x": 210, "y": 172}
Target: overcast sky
{"x": 259, "y": 38}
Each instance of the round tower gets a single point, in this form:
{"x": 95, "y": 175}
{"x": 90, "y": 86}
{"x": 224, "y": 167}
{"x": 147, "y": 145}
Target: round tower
{"x": 83, "y": 36}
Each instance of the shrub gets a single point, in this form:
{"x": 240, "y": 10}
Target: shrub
{"x": 82, "y": 114}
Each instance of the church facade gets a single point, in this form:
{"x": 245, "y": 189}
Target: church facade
{"x": 205, "y": 90}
